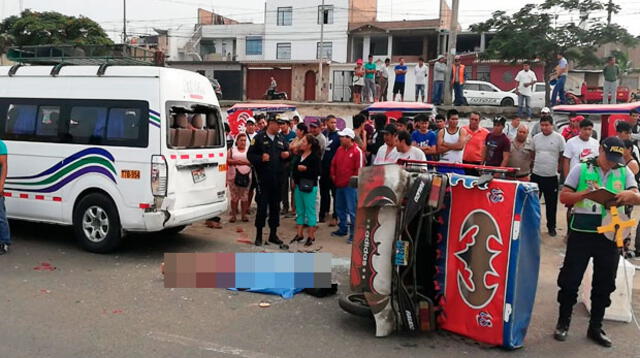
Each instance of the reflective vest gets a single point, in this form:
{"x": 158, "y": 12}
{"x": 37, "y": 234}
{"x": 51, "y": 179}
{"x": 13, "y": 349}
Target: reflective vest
{"x": 458, "y": 74}
{"x": 616, "y": 182}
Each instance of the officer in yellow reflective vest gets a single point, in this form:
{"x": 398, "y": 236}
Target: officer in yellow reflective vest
{"x": 605, "y": 171}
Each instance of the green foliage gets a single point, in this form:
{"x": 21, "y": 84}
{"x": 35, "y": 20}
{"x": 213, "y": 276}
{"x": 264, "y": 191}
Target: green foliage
{"x": 535, "y": 32}
{"x": 51, "y": 28}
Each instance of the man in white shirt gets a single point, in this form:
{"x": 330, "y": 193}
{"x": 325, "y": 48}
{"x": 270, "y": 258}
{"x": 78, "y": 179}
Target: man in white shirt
{"x": 548, "y": 147}
{"x": 387, "y": 154}
{"x": 511, "y": 129}
{"x": 421, "y": 71}
{"x": 384, "y": 80}
{"x": 580, "y": 148}
{"x": 525, "y": 80}
{"x": 406, "y": 150}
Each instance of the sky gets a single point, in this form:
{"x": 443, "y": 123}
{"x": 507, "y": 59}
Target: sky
{"x": 180, "y": 15}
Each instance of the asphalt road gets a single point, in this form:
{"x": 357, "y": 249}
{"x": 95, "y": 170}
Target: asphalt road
{"x": 116, "y": 306}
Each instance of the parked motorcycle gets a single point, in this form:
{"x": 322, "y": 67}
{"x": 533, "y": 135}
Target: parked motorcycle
{"x": 275, "y": 95}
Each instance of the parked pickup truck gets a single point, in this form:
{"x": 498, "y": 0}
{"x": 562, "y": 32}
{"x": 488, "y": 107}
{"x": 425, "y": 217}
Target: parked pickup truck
{"x": 590, "y": 94}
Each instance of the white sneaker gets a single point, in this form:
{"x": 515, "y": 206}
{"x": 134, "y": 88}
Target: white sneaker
{"x": 4, "y": 249}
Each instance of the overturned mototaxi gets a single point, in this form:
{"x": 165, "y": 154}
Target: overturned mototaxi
{"x": 446, "y": 251}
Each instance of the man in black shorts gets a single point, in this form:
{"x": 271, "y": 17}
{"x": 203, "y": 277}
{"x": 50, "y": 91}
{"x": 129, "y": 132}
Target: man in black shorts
{"x": 398, "y": 85}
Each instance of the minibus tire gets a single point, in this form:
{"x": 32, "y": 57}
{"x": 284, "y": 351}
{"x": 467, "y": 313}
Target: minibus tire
{"x": 103, "y": 208}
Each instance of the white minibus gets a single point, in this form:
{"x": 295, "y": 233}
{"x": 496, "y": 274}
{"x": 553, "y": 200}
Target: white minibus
{"x": 111, "y": 149}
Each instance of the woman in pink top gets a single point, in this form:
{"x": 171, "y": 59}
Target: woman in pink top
{"x": 238, "y": 165}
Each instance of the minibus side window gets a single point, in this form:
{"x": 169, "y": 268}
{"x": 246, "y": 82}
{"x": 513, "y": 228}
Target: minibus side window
{"x": 21, "y": 119}
{"x": 123, "y": 124}
{"x": 47, "y": 122}
{"x": 83, "y": 123}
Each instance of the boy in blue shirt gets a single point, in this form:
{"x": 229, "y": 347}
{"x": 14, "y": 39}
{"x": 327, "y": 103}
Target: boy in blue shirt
{"x": 423, "y": 138}
{"x": 5, "y": 235}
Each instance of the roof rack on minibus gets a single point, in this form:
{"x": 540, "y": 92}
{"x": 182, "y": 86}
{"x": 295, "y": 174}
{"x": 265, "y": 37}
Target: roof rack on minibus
{"x": 87, "y": 55}
{"x": 14, "y": 69}
{"x": 56, "y": 69}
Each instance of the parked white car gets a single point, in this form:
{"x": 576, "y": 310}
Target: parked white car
{"x": 481, "y": 93}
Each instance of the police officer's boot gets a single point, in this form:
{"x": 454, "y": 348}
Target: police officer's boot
{"x": 595, "y": 332}
{"x": 597, "y": 335}
{"x": 562, "y": 327}
{"x": 258, "y": 237}
{"x": 274, "y": 239}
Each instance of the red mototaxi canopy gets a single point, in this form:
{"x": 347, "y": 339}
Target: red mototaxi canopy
{"x": 262, "y": 107}
{"x": 597, "y": 109}
{"x": 400, "y": 107}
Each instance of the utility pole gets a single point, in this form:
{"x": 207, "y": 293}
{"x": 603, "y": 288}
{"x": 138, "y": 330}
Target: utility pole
{"x": 321, "y": 50}
{"x": 453, "y": 35}
{"x": 124, "y": 22}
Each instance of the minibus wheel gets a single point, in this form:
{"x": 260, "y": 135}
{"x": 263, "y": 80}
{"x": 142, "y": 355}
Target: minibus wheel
{"x": 96, "y": 223}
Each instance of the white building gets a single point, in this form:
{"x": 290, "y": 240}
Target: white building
{"x": 293, "y": 30}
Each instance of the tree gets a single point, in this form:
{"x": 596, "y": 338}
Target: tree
{"x": 51, "y": 28}
{"x": 535, "y": 33}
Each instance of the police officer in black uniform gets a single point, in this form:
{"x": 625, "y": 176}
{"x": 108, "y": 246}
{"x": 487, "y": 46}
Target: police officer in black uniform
{"x": 584, "y": 242}
{"x": 267, "y": 153}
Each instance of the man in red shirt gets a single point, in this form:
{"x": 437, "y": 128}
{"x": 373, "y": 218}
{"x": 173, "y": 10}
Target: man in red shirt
{"x": 573, "y": 129}
{"x": 346, "y": 163}
{"x": 474, "y": 149}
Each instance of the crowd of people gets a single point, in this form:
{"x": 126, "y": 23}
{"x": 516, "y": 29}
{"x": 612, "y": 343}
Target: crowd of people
{"x": 286, "y": 164}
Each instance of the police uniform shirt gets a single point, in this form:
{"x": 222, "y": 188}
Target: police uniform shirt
{"x": 273, "y": 145}
{"x": 573, "y": 179}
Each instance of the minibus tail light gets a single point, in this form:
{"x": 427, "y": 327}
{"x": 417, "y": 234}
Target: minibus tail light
{"x": 159, "y": 175}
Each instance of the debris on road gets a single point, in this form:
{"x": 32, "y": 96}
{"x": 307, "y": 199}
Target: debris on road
{"x": 44, "y": 266}
{"x": 264, "y": 304}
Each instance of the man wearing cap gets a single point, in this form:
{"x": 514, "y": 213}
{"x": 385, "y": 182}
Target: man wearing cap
{"x": 250, "y": 128}
{"x": 267, "y": 153}
{"x": 497, "y": 145}
{"x": 573, "y": 129}
{"x": 387, "y": 153}
{"x": 439, "y": 73}
{"x": 346, "y": 163}
{"x": 584, "y": 242}
{"x": 457, "y": 81}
